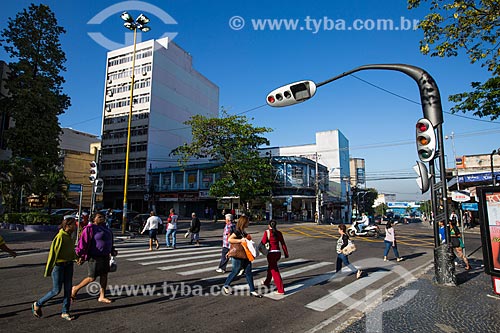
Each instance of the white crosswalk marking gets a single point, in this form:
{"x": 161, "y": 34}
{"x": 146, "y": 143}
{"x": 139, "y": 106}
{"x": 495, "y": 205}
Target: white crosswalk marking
{"x": 345, "y": 292}
{"x": 193, "y": 261}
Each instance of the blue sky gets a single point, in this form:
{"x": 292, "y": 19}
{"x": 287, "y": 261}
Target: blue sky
{"x": 376, "y": 110}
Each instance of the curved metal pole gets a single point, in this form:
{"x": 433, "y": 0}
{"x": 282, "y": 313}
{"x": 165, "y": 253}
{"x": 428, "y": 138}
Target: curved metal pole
{"x": 433, "y": 111}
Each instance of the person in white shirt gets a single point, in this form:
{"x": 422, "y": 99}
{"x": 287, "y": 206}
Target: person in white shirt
{"x": 172, "y": 228}
{"x": 364, "y": 222}
{"x": 152, "y": 224}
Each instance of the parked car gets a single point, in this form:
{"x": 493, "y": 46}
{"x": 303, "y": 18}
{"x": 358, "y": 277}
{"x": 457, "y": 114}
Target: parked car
{"x": 139, "y": 221}
{"x": 118, "y": 217}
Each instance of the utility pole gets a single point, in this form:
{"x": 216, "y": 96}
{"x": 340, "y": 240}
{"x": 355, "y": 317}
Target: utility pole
{"x": 318, "y": 214}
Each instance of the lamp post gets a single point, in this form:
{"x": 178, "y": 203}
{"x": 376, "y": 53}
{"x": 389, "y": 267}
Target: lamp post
{"x": 452, "y": 137}
{"x": 131, "y": 24}
{"x": 497, "y": 151}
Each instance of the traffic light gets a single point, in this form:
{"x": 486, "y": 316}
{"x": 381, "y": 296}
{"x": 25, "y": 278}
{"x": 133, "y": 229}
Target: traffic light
{"x": 99, "y": 186}
{"x": 426, "y": 140}
{"x": 423, "y": 176}
{"x": 292, "y": 93}
{"x": 93, "y": 172}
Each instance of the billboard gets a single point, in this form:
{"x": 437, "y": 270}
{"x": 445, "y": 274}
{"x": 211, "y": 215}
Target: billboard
{"x": 489, "y": 216}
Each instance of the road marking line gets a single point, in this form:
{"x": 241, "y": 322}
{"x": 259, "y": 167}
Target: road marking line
{"x": 177, "y": 259}
{"x": 421, "y": 269}
{"x": 338, "y": 296}
{"x": 124, "y": 253}
{"x": 163, "y": 254}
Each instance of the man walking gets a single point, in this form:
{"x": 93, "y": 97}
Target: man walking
{"x": 228, "y": 230}
{"x": 152, "y": 224}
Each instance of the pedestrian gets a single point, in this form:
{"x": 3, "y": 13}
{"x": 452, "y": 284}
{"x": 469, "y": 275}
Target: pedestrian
{"x": 152, "y": 224}
{"x": 109, "y": 218}
{"x": 206, "y": 212}
{"x": 275, "y": 238}
{"x": 454, "y": 217}
{"x": 194, "y": 229}
{"x": 229, "y": 228}
{"x": 390, "y": 241}
{"x": 342, "y": 258}
{"x": 467, "y": 219}
{"x": 172, "y": 229}
{"x": 60, "y": 267}
{"x": 237, "y": 237}
{"x": 442, "y": 232}
{"x": 4, "y": 247}
{"x": 96, "y": 247}
{"x": 457, "y": 244}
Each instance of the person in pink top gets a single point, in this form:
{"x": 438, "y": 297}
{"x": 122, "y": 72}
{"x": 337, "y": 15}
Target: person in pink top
{"x": 275, "y": 238}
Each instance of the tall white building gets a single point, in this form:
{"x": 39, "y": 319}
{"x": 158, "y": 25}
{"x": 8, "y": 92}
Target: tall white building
{"x": 167, "y": 92}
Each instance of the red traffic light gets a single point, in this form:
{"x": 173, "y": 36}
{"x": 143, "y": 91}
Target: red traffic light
{"x": 422, "y": 127}
{"x": 270, "y": 99}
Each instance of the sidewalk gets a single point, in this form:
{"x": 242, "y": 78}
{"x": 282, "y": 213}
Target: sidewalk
{"x": 423, "y": 306}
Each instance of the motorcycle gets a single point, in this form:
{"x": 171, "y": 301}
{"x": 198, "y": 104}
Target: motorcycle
{"x": 369, "y": 230}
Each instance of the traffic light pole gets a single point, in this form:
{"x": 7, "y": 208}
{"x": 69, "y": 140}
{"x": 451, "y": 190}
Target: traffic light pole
{"x": 432, "y": 110}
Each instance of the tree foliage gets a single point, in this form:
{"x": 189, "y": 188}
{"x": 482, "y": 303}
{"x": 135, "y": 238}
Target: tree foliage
{"x": 34, "y": 84}
{"x": 233, "y": 142}
{"x": 471, "y": 26}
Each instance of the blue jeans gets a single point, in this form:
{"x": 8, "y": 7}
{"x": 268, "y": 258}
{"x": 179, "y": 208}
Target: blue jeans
{"x": 61, "y": 274}
{"x": 223, "y": 259}
{"x": 236, "y": 266}
{"x": 342, "y": 258}
{"x": 172, "y": 232}
{"x": 388, "y": 247}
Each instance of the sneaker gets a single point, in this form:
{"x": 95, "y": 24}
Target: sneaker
{"x": 241, "y": 272}
{"x": 385, "y": 258}
{"x": 36, "y": 312}
{"x": 279, "y": 293}
{"x": 359, "y": 273}
{"x": 67, "y": 316}
{"x": 255, "y": 294}
{"x": 226, "y": 290}
{"x": 220, "y": 270}
{"x": 400, "y": 259}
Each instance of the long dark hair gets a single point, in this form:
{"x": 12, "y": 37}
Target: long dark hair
{"x": 272, "y": 224}
{"x": 67, "y": 221}
{"x": 388, "y": 225}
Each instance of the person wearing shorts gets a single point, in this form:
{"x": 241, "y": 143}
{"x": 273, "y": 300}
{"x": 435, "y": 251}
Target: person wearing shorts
{"x": 152, "y": 224}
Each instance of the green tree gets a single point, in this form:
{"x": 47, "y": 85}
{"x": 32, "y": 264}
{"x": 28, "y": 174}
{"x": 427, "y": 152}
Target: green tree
{"x": 381, "y": 209}
{"x": 35, "y": 97}
{"x": 473, "y": 27}
{"x": 233, "y": 142}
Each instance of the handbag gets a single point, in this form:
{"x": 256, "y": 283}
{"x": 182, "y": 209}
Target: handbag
{"x": 455, "y": 242}
{"x": 264, "y": 248}
{"x": 236, "y": 251}
{"x": 350, "y": 248}
{"x": 112, "y": 264}
{"x": 186, "y": 235}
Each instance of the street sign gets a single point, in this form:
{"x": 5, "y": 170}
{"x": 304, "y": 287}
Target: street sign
{"x": 75, "y": 188}
{"x": 460, "y": 196}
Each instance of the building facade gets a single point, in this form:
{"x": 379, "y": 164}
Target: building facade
{"x": 293, "y": 195}
{"x": 77, "y": 150}
{"x": 167, "y": 92}
{"x": 331, "y": 149}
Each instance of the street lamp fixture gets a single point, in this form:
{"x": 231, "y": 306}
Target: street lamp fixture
{"x": 131, "y": 24}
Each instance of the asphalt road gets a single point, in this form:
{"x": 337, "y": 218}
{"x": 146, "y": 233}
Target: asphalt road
{"x": 179, "y": 290}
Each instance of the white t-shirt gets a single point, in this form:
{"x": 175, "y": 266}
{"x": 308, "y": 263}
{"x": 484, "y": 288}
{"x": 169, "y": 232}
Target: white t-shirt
{"x": 152, "y": 223}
